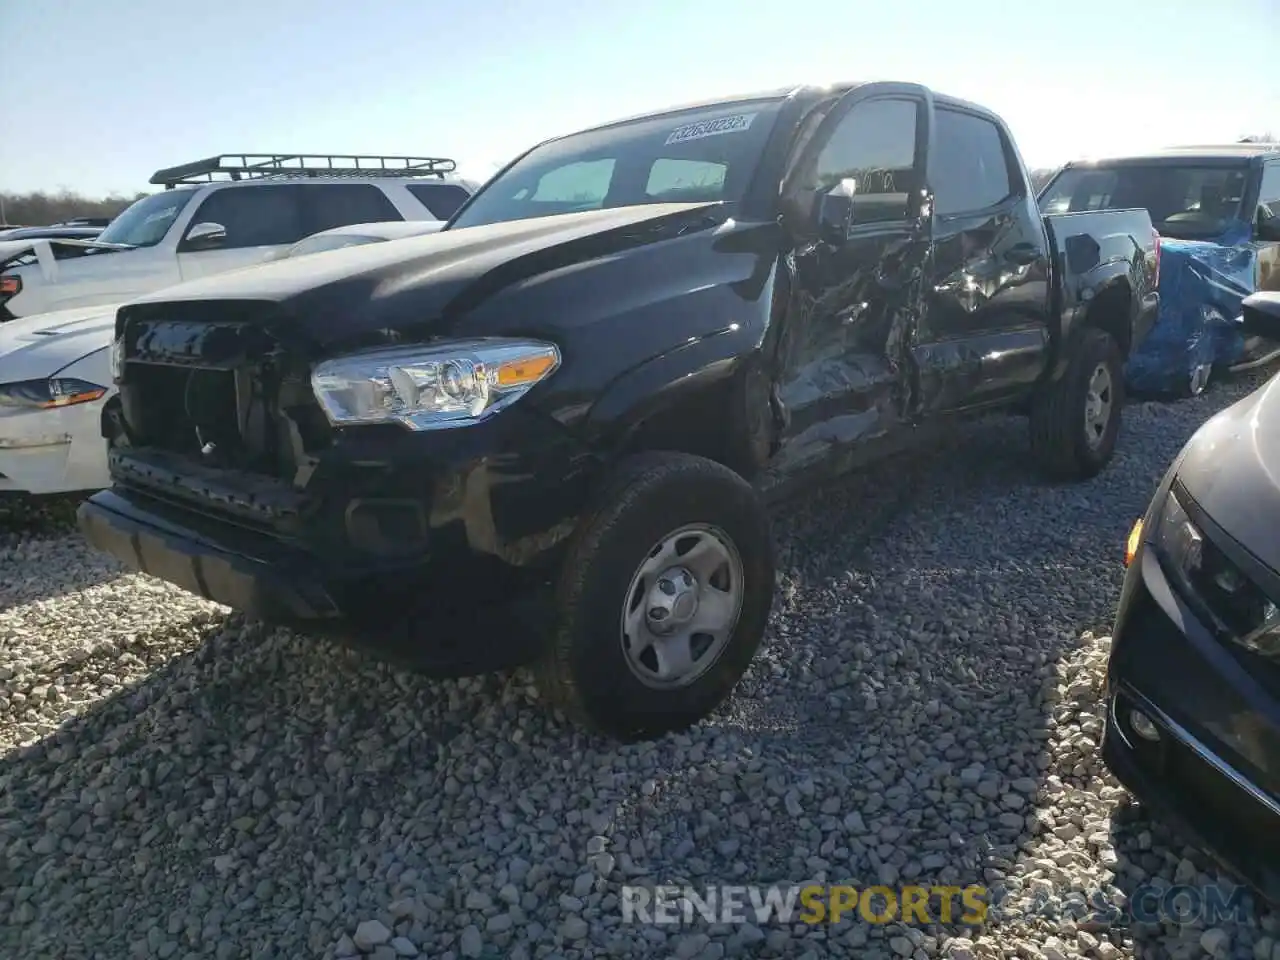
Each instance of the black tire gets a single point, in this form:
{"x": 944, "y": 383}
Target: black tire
{"x": 584, "y": 670}
{"x": 1059, "y": 439}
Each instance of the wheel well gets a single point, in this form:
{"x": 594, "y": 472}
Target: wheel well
{"x": 708, "y": 422}
{"x": 1110, "y": 311}
{"x": 668, "y": 431}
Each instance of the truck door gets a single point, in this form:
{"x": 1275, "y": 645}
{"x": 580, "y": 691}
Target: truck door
{"x": 843, "y": 375}
{"x": 984, "y": 332}
{"x": 1268, "y": 212}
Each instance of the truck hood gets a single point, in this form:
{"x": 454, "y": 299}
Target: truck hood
{"x": 41, "y": 345}
{"x": 384, "y": 292}
{"x": 1232, "y": 469}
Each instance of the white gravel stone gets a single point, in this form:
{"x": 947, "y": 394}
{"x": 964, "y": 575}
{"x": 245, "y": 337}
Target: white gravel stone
{"x": 370, "y": 934}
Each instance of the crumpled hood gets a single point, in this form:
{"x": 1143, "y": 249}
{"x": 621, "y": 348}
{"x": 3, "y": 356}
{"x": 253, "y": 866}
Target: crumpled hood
{"x": 1232, "y": 469}
{"x": 41, "y": 345}
{"x": 395, "y": 288}
{"x": 1201, "y": 286}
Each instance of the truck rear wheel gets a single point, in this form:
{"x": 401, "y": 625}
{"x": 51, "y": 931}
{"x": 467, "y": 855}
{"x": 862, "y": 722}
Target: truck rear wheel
{"x": 663, "y": 599}
{"x": 1075, "y": 420}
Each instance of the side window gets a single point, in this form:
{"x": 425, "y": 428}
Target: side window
{"x": 330, "y": 205}
{"x": 1269, "y": 191}
{"x": 875, "y": 144}
{"x": 972, "y": 169}
{"x": 442, "y": 200}
{"x": 257, "y": 216}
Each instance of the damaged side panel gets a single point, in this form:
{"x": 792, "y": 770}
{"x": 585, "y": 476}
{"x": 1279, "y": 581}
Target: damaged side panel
{"x": 985, "y": 331}
{"x": 843, "y": 370}
{"x": 1201, "y": 286}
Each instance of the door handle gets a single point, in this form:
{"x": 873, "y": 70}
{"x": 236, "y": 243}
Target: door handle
{"x": 1022, "y": 254}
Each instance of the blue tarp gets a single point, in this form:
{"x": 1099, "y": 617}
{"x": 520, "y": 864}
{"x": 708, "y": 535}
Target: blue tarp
{"x": 1201, "y": 286}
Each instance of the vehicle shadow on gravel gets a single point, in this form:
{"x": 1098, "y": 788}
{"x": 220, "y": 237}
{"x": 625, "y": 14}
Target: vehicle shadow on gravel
{"x": 909, "y": 720}
{"x": 42, "y": 554}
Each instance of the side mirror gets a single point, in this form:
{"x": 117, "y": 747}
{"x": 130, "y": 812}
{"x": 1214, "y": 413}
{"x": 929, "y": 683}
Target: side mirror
{"x": 1260, "y": 315}
{"x": 206, "y": 236}
{"x": 1266, "y": 229}
{"x": 835, "y": 211}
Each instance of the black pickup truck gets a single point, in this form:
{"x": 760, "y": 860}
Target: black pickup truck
{"x": 574, "y": 402}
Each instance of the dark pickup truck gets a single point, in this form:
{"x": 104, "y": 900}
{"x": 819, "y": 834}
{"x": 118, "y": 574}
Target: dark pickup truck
{"x": 573, "y": 403}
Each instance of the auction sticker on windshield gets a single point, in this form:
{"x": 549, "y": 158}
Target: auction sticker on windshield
{"x": 710, "y": 128}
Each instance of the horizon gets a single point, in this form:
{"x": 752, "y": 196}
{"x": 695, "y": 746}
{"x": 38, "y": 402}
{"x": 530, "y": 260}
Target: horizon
{"x": 519, "y": 73}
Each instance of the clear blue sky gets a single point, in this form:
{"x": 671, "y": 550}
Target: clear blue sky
{"x": 100, "y": 93}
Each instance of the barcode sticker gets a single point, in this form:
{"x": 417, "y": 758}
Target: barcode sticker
{"x": 711, "y": 128}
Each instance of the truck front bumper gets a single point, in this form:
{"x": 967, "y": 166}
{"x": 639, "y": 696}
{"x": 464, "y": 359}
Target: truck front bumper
{"x": 438, "y": 560}
{"x": 251, "y": 574}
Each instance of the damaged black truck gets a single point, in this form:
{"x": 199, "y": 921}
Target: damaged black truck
{"x": 568, "y": 409}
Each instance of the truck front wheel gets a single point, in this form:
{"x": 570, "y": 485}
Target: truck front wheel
{"x": 663, "y": 599}
{"x": 1075, "y": 420}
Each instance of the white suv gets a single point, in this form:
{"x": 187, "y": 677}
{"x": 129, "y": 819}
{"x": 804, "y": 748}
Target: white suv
{"x": 221, "y": 214}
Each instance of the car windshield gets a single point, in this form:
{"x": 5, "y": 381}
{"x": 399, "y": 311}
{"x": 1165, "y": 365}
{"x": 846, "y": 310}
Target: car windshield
{"x": 698, "y": 155}
{"x": 145, "y": 222}
{"x": 1185, "y": 201}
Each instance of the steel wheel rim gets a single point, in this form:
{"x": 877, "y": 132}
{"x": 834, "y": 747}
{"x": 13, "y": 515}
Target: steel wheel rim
{"x": 1098, "y": 402}
{"x": 682, "y": 606}
{"x": 1200, "y": 379}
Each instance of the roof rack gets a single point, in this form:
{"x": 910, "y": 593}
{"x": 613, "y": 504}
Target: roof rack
{"x": 256, "y": 166}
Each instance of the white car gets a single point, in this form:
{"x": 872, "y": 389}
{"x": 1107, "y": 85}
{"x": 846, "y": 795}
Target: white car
{"x": 222, "y": 214}
{"x": 55, "y": 378}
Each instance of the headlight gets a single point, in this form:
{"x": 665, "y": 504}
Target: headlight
{"x": 428, "y": 387}
{"x": 48, "y": 394}
{"x": 1178, "y": 540}
{"x": 1235, "y": 605}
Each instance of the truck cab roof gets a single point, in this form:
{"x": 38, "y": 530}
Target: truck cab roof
{"x": 1226, "y": 152}
{"x": 808, "y": 91}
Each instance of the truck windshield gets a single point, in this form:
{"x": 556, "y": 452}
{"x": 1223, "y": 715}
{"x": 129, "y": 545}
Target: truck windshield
{"x": 145, "y": 222}
{"x": 700, "y": 155}
{"x": 1185, "y": 201}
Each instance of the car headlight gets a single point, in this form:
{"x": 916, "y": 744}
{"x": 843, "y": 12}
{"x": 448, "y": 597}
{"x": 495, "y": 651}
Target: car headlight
{"x": 429, "y": 387}
{"x": 1178, "y": 541}
{"x": 49, "y": 394}
{"x": 1235, "y": 605}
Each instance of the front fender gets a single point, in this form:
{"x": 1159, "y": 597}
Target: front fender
{"x": 708, "y": 397}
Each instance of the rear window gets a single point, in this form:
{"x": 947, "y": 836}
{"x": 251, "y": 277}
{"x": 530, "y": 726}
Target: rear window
{"x": 1184, "y": 201}
{"x": 330, "y": 205}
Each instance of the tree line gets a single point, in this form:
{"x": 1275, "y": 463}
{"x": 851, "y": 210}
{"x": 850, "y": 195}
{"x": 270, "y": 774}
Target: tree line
{"x": 39, "y": 209}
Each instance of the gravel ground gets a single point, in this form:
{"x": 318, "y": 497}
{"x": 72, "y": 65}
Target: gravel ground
{"x": 176, "y": 783}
